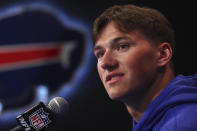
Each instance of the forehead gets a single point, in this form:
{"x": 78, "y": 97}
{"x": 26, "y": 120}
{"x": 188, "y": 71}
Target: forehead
{"x": 111, "y": 34}
{"x": 109, "y": 28}
{"x": 108, "y": 33}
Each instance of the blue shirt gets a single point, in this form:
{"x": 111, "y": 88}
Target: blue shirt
{"x": 175, "y": 109}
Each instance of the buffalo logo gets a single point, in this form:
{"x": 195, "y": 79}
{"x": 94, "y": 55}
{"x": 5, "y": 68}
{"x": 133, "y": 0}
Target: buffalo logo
{"x": 42, "y": 53}
{"x": 36, "y": 48}
{"x": 39, "y": 119}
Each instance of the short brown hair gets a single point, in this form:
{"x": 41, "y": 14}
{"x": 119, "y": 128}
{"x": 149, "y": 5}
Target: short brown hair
{"x": 127, "y": 18}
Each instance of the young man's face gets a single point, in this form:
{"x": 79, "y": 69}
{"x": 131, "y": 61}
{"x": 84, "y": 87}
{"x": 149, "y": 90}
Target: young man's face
{"x": 127, "y": 63}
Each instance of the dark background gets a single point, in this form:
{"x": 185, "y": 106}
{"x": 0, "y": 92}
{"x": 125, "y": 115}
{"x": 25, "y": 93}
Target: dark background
{"x": 91, "y": 108}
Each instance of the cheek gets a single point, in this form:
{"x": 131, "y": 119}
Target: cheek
{"x": 141, "y": 63}
{"x": 100, "y": 71}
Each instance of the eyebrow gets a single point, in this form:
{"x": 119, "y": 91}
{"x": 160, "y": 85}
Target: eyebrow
{"x": 116, "y": 40}
{"x": 112, "y": 42}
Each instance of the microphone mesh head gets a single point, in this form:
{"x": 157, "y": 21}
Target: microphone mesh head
{"x": 58, "y": 105}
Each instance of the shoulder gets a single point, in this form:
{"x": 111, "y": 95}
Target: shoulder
{"x": 179, "y": 118}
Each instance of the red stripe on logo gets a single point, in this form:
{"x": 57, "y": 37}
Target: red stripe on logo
{"x": 9, "y": 57}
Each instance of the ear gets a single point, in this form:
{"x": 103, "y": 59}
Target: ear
{"x": 165, "y": 54}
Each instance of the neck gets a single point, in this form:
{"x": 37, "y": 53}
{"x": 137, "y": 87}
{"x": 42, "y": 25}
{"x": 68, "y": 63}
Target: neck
{"x": 136, "y": 109}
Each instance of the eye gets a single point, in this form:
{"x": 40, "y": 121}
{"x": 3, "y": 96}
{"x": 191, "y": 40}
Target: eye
{"x": 123, "y": 46}
{"x": 99, "y": 54}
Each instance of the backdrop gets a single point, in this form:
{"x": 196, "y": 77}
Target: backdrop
{"x": 46, "y": 51}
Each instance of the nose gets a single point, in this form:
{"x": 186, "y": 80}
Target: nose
{"x": 109, "y": 62}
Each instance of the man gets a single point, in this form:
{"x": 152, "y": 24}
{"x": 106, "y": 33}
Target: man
{"x": 134, "y": 48}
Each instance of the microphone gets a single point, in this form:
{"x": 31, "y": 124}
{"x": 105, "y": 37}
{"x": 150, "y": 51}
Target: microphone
{"x": 40, "y": 116}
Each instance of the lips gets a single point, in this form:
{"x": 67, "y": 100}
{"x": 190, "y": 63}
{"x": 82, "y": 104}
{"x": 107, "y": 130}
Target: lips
{"x": 113, "y": 77}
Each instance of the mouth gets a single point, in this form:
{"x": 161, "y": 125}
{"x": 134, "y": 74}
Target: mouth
{"x": 113, "y": 77}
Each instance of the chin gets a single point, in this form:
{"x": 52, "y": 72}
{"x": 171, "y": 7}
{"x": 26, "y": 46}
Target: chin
{"x": 115, "y": 96}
